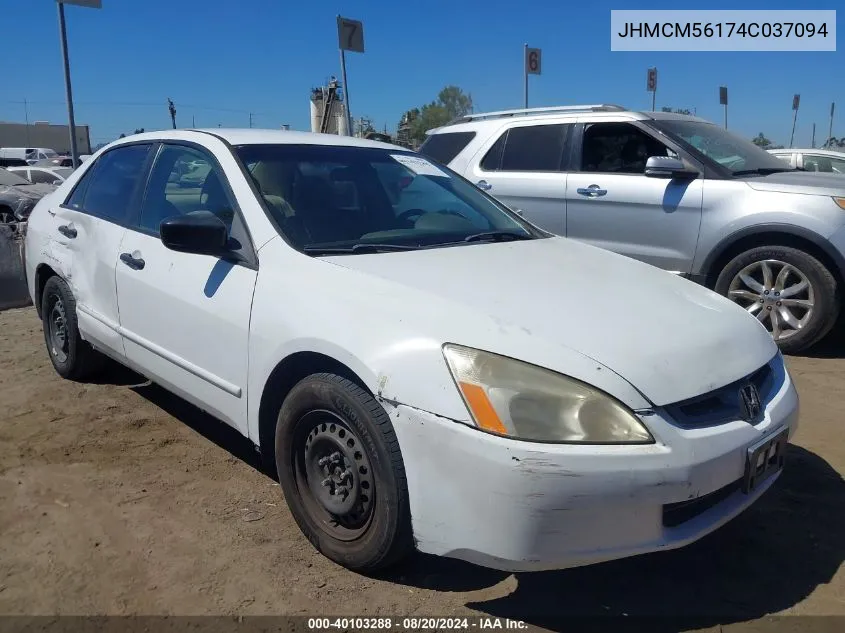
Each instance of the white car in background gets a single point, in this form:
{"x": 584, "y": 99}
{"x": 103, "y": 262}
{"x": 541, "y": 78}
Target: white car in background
{"x": 821, "y": 160}
{"x": 43, "y": 175}
{"x": 422, "y": 367}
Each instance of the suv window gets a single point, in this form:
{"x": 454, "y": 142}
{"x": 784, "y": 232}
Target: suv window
{"x": 827, "y": 164}
{"x": 183, "y": 180}
{"x": 108, "y": 187}
{"x": 444, "y": 147}
{"x": 619, "y": 148}
{"x": 528, "y": 148}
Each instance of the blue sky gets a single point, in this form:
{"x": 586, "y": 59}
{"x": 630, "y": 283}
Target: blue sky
{"x": 219, "y": 60}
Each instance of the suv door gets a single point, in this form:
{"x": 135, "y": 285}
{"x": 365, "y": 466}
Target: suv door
{"x": 86, "y": 232}
{"x": 185, "y": 317}
{"x": 610, "y": 202}
{"x": 522, "y": 166}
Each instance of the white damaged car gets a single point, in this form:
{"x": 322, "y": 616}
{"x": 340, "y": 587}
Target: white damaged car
{"x": 421, "y": 366}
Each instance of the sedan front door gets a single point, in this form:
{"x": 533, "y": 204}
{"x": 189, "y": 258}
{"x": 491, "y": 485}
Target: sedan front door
{"x": 185, "y": 317}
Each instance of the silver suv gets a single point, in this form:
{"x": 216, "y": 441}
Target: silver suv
{"x": 675, "y": 191}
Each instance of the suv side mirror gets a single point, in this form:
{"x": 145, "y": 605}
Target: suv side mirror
{"x": 200, "y": 232}
{"x": 667, "y": 167}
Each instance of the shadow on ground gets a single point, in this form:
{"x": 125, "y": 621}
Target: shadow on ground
{"x": 767, "y": 560}
{"x": 831, "y": 346}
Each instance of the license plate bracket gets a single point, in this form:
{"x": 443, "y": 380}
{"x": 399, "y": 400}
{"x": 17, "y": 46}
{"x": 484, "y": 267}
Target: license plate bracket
{"x": 764, "y": 459}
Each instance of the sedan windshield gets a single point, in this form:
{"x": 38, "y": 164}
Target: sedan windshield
{"x": 739, "y": 156}
{"x": 333, "y": 200}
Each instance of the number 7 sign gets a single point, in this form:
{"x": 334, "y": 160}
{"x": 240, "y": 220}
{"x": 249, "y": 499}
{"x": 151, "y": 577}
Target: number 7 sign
{"x": 350, "y": 35}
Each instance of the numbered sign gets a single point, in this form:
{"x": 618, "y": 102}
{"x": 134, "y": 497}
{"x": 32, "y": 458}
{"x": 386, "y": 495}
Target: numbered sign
{"x": 651, "y": 80}
{"x": 533, "y": 61}
{"x": 350, "y": 35}
{"x": 723, "y": 95}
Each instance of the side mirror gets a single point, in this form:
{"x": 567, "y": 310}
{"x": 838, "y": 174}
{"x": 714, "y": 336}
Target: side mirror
{"x": 200, "y": 232}
{"x": 667, "y": 167}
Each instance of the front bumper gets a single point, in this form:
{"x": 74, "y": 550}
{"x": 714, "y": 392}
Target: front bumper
{"x": 522, "y": 506}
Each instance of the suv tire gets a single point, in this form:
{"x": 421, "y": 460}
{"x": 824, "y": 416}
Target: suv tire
{"x": 784, "y": 287}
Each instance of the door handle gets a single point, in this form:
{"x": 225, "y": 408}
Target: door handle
{"x": 484, "y": 185}
{"x": 135, "y": 263}
{"x": 67, "y": 231}
{"x": 593, "y": 191}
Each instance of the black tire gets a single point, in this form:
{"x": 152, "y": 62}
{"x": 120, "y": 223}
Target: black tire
{"x": 73, "y": 359}
{"x": 825, "y": 291}
{"x": 326, "y": 414}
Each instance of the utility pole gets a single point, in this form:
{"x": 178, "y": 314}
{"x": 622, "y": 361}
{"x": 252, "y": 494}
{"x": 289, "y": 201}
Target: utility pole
{"x": 830, "y": 128}
{"x": 172, "y": 107}
{"x": 26, "y": 118}
{"x": 813, "y": 145}
{"x": 74, "y": 155}
{"x": 796, "y": 100}
{"x": 525, "y": 74}
{"x": 193, "y": 122}
{"x": 250, "y": 119}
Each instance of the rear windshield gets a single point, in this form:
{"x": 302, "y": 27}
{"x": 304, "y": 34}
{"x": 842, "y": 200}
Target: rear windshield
{"x": 444, "y": 147}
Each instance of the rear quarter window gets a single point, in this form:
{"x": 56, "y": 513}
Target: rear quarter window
{"x": 444, "y": 147}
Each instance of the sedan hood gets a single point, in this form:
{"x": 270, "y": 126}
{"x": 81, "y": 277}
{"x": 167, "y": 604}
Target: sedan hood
{"x": 814, "y": 183}
{"x": 668, "y": 337}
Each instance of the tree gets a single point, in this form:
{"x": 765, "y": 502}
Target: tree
{"x": 451, "y": 103}
{"x": 761, "y": 141}
{"x": 139, "y": 130}
{"x": 835, "y": 143}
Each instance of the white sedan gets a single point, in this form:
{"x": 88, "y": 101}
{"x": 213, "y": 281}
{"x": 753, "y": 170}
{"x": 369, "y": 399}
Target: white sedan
{"x": 423, "y": 368}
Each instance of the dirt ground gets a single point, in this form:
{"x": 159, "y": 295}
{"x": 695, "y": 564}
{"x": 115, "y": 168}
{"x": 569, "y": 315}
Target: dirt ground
{"x": 119, "y": 498}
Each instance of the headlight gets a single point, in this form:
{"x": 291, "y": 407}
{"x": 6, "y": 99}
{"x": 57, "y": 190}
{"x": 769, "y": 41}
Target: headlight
{"x": 526, "y": 402}
{"x": 840, "y": 202}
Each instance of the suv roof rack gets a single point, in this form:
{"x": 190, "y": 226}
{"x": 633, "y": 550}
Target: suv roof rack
{"x": 501, "y": 114}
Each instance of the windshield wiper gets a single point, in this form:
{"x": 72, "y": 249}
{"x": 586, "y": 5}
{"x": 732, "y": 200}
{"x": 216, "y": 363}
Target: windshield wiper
{"x": 361, "y": 247}
{"x": 762, "y": 171}
{"x": 497, "y": 236}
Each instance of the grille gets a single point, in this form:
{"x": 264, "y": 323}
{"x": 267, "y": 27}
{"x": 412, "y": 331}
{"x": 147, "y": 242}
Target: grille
{"x": 723, "y": 405}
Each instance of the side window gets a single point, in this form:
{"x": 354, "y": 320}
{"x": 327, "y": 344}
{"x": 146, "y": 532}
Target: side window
{"x": 619, "y": 148}
{"x": 444, "y": 147}
{"x": 534, "y": 148}
{"x": 492, "y": 160}
{"x": 109, "y": 187}
{"x": 184, "y": 180}
{"x": 824, "y": 163}
{"x": 786, "y": 158}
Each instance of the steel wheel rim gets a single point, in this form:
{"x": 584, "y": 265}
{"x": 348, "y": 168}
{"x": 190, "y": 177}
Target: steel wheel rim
{"x": 777, "y": 293}
{"x": 57, "y": 330}
{"x": 328, "y": 458}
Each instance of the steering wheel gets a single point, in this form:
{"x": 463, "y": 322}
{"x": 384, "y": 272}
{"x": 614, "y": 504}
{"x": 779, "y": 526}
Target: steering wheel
{"x": 406, "y": 216}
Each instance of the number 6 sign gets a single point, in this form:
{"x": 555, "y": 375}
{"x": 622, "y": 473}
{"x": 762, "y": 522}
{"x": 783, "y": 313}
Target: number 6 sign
{"x": 532, "y": 61}
{"x": 350, "y": 35}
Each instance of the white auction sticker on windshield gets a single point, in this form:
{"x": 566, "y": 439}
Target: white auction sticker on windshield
{"x": 419, "y": 165}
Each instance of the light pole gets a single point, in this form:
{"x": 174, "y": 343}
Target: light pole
{"x": 92, "y": 4}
